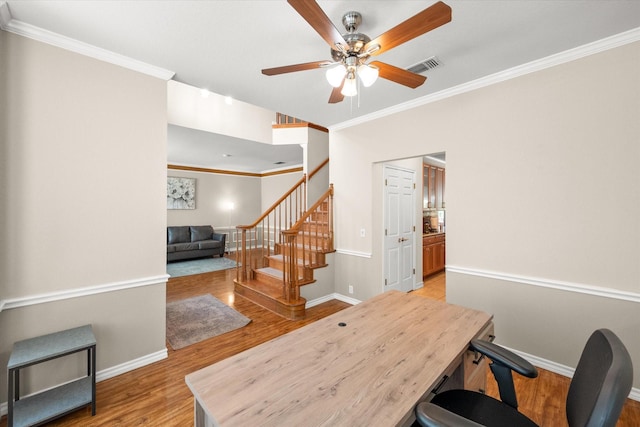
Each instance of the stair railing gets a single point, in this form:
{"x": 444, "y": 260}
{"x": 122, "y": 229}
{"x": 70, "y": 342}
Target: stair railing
{"x": 309, "y": 237}
{"x": 258, "y": 240}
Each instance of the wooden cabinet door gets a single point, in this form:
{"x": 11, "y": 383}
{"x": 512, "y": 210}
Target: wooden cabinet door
{"x": 438, "y": 256}
{"x": 427, "y": 260}
{"x": 433, "y": 255}
{"x": 439, "y": 189}
{"x": 433, "y": 187}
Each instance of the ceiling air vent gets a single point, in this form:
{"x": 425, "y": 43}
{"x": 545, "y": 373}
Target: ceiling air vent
{"x": 427, "y": 64}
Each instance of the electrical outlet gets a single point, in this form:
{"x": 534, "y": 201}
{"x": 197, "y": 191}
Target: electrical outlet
{"x": 350, "y": 289}
{"x": 362, "y": 232}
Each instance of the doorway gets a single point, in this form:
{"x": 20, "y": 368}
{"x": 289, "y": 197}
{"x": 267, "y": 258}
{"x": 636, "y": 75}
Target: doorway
{"x": 423, "y": 208}
{"x": 399, "y": 228}
{"x": 434, "y": 222}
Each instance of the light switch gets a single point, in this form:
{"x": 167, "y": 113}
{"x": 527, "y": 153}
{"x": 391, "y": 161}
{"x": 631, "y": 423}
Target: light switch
{"x": 362, "y": 232}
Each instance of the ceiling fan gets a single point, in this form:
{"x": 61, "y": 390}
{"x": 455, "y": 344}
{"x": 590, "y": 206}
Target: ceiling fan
{"x": 351, "y": 51}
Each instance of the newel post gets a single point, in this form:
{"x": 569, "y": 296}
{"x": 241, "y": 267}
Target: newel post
{"x": 290, "y": 276}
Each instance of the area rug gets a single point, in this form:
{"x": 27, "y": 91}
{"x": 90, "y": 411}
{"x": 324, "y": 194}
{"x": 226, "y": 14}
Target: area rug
{"x": 198, "y": 318}
{"x": 198, "y": 266}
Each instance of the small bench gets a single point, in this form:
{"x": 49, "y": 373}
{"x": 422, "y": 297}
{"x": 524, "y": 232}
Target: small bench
{"x": 38, "y": 408}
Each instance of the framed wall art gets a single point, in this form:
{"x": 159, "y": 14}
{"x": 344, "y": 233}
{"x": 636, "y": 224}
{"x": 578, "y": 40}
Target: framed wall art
{"x": 181, "y": 193}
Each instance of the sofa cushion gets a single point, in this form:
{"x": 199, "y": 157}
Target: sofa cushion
{"x": 201, "y": 232}
{"x": 171, "y": 248}
{"x": 209, "y": 244}
{"x": 186, "y": 246}
{"x": 179, "y": 234}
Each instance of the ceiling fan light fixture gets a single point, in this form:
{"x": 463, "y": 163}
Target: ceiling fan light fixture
{"x": 349, "y": 88}
{"x": 368, "y": 74}
{"x": 335, "y": 75}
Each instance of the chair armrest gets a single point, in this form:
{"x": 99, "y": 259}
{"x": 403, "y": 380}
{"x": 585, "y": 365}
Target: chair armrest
{"x": 430, "y": 415}
{"x": 504, "y": 357}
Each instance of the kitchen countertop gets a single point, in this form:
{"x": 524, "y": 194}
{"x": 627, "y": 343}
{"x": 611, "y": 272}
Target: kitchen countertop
{"x": 435, "y": 233}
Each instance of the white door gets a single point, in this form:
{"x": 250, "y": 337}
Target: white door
{"x": 399, "y": 230}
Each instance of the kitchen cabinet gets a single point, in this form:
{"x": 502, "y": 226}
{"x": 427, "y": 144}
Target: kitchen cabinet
{"x": 433, "y": 253}
{"x": 433, "y": 187}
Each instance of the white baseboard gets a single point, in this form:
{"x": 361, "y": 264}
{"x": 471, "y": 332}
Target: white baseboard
{"x": 115, "y": 370}
{"x": 131, "y": 365}
{"x": 329, "y": 297}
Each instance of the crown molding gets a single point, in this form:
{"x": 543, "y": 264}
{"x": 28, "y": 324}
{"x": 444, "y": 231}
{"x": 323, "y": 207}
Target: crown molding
{"x": 230, "y": 172}
{"x": 7, "y": 23}
{"x": 598, "y": 46}
{"x": 5, "y": 15}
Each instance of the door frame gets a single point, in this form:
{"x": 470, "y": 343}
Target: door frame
{"x": 385, "y": 167}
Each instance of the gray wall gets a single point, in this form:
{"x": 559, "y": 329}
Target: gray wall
{"x": 213, "y": 192}
{"x": 250, "y": 196}
{"x": 543, "y": 201}
{"x": 82, "y": 205}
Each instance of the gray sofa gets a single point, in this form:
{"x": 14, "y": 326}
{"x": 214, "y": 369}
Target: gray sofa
{"x": 193, "y": 241}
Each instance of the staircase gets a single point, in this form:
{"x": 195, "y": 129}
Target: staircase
{"x": 278, "y": 253}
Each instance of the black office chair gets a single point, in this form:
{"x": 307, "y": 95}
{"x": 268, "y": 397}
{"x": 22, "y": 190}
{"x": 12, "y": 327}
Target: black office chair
{"x": 596, "y": 395}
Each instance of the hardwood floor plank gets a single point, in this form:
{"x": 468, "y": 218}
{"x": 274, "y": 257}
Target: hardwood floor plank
{"x": 157, "y": 395}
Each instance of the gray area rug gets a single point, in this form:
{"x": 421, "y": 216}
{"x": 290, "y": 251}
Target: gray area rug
{"x": 198, "y": 266}
{"x": 196, "y": 319}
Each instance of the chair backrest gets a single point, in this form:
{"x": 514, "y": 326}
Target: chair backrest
{"x": 601, "y": 382}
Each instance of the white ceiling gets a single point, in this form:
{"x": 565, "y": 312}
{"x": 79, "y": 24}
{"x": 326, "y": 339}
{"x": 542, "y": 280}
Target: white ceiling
{"x": 223, "y": 45}
{"x": 194, "y": 147}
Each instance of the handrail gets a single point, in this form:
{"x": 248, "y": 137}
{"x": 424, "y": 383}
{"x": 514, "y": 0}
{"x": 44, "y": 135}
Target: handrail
{"x": 277, "y": 202}
{"x": 317, "y": 169}
{"x": 301, "y": 181}
{"x": 259, "y": 239}
{"x": 309, "y": 237}
{"x": 296, "y": 227}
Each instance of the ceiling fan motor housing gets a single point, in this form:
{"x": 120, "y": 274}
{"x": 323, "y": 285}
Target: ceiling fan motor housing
{"x": 351, "y": 20}
{"x": 356, "y": 41}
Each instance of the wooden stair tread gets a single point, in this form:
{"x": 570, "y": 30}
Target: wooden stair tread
{"x": 280, "y": 258}
{"x": 270, "y": 271}
{"x": 279, "y": 274}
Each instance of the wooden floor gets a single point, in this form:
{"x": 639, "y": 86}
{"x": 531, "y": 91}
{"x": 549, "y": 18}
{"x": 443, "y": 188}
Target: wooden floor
{"x": 543, "y": 398}
{"x": 156, "y": 395}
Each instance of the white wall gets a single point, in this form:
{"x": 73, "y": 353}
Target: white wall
{"x": 82, "y": 205}
{"x": 188, "y": 108}
{"x": 542, "y": 191}
{"x": 213, "y": 193}
{"x": 274, "y": 186}
{"x": 250, "y": 196}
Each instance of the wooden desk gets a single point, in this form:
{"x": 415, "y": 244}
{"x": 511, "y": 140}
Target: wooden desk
{"x": 393, "y": 350}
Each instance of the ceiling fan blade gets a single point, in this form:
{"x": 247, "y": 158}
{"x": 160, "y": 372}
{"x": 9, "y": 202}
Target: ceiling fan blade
{"x": 336, "y": 94}
{"x": 315, "y": 16}
{"x": 432, "y": 17}
{"x": 295, "y": 67}
{"x": 399, "y": 75}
